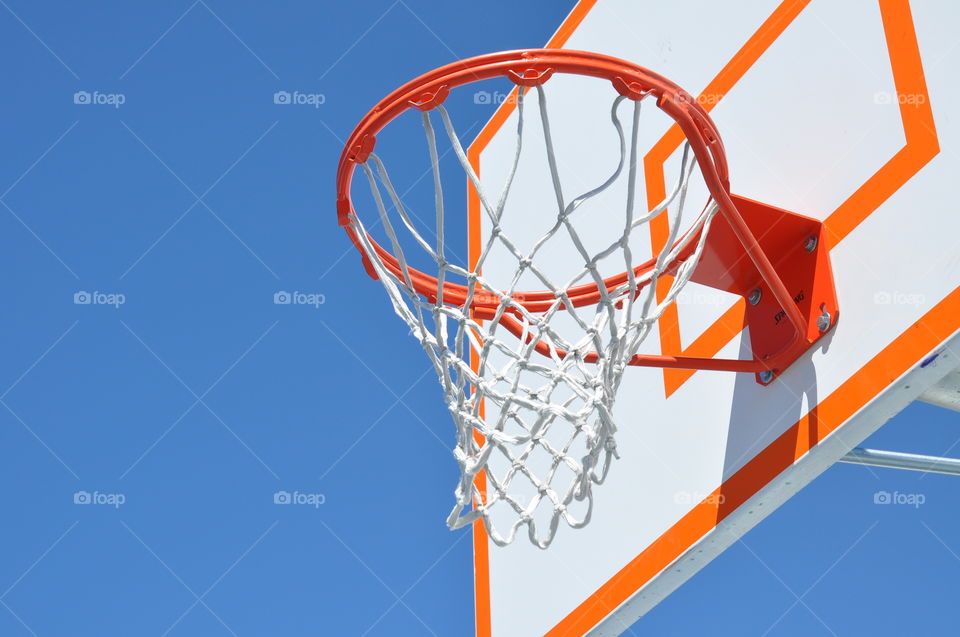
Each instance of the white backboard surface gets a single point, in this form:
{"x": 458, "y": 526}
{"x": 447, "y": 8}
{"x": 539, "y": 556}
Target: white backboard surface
{"x": 842, "y": 111}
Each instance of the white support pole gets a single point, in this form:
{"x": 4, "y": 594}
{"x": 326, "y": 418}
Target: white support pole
{"x": 908, "y": 461}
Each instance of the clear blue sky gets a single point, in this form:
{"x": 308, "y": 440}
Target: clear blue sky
{"x": 184, "y": 407}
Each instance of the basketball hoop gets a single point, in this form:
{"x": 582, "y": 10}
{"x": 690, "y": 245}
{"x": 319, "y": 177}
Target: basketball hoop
{"x": 519, "y": 386}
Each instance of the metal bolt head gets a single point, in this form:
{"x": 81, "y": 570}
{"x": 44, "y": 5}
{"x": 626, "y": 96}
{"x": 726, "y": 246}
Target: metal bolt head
{"x": 766, "y": 376}
{"x": 810, "y": 244}
{"x": 823, "y": 322}
{"x": 754, "y": 297}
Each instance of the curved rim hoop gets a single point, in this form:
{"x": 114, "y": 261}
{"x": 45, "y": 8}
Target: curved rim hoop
{"x": 531, "y": 67}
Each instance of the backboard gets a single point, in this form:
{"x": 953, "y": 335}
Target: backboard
{"x": 842, "y": 111}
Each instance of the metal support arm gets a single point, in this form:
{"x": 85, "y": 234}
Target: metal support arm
{"x": 908, "y": 461}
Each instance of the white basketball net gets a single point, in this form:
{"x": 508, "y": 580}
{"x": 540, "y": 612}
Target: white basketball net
{"x": 539, "y": 428}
